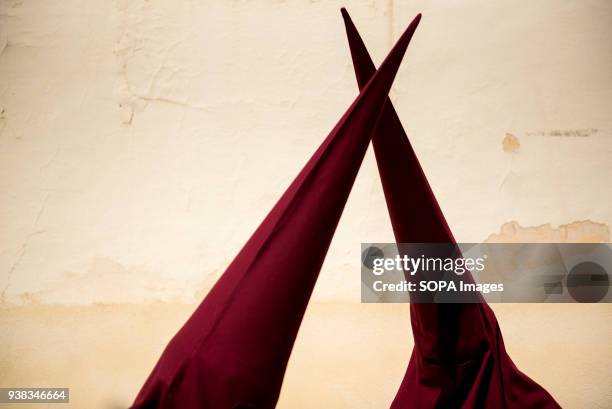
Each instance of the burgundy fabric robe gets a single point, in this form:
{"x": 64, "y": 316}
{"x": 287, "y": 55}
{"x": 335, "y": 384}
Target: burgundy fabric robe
{"x": 459, "y": 359}
{"x": 233, "y": 351}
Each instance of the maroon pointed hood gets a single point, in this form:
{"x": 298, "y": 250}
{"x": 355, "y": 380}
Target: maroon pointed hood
{"x": 459, "y": 359}
{"x": 234, "y": 349}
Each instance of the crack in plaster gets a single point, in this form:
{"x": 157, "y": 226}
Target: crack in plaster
{"x": 18, "y": 260}
{"x": 23, "y": 249}
{"x": 130, "y": 100}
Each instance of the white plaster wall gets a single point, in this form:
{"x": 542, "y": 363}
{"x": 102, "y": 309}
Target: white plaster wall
{"x": 141, "y": 143}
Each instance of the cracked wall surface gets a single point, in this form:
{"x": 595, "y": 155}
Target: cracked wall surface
{"x": 142, "y": 142}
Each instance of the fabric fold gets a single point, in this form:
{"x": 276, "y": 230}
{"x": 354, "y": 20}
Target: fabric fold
{"x": 233, "y": 351}
{"x": 459, "y": 359}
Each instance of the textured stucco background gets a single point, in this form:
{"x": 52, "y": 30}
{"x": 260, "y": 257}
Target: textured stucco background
{"x": 141, "y": 143}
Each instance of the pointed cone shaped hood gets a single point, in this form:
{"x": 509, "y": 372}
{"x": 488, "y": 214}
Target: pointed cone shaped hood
{"x": 233, "y": 351}
{"x": 459, "y": 359}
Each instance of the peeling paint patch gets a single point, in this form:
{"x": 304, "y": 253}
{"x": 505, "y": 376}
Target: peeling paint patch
{"x": 510, "y": 143}
{"x": 566, "y": 133}
{"x": 585, "y": 231}
{"x": 127, "y": 112}
{"x": 105, "y": 280}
